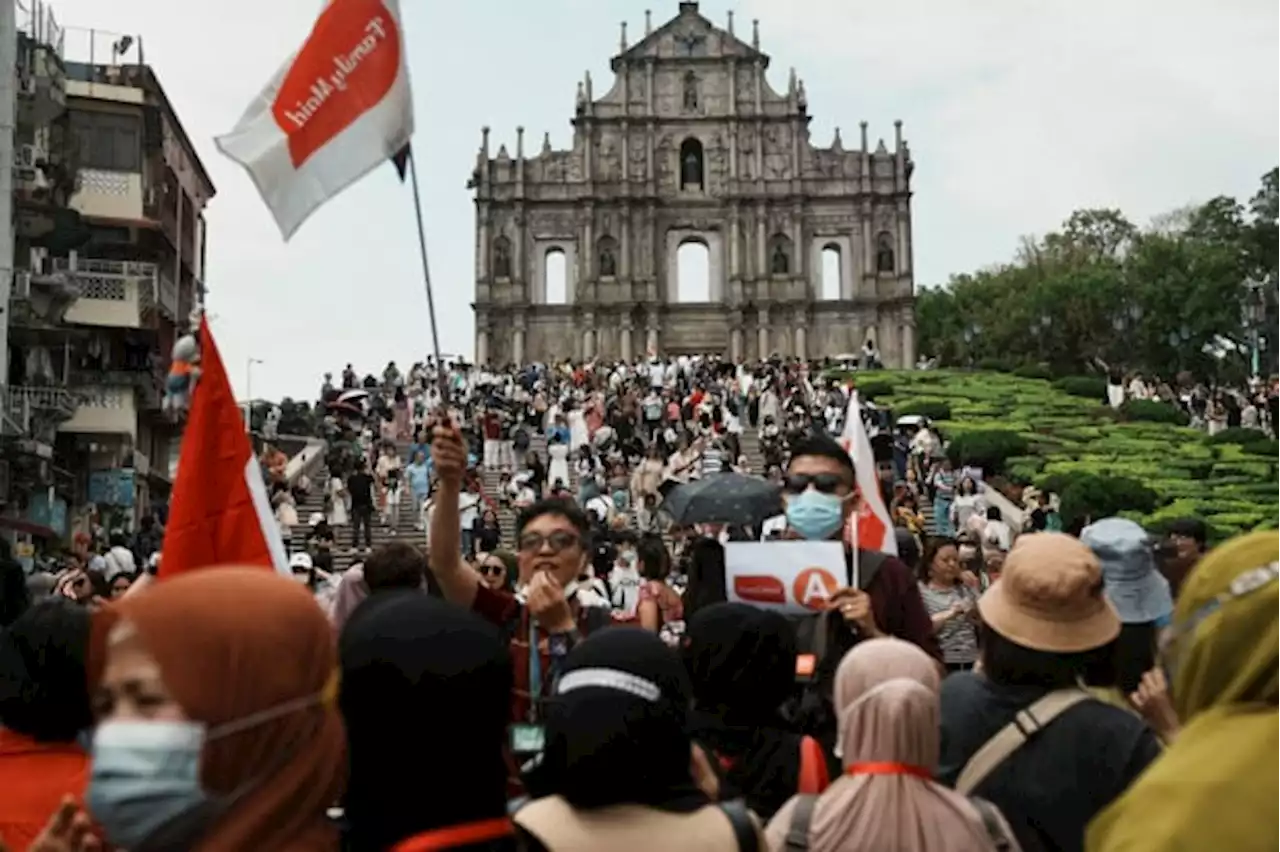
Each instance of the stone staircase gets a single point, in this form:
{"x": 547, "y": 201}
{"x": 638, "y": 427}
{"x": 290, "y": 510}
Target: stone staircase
{"x": 490, "y": 481}
{"x": 343, "y": 558}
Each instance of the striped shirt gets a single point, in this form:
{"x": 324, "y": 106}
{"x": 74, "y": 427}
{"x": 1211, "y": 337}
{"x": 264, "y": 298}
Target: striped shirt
{"x": 958, "y": 636}
{"x": 712, "y": 460}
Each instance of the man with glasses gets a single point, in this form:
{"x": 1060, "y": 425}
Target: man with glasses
{"x": 554, "y": 550}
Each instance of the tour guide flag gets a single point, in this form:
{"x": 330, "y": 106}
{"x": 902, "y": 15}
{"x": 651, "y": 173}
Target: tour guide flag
{"x": 870, "y": 527}
{"x": 336, "y": 110}
{"x": 219, "y": 513}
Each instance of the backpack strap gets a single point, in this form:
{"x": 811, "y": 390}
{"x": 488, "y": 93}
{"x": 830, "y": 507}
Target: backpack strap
{"x": 813, "y": 777}
{"x": 993, "y": 825}
{"x": 744, "y": 827}
{"x": 1012, "y": 736}
{"x": 798, "y": 831}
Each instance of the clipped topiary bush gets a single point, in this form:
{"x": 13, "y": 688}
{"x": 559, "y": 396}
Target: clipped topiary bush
{"x": 987, "y": 449}
{"x": 1089, "y": 497}
{"x": 1090, "y": 387}
{"x": 872, "y": 388}
{"x": 1236, "y": 435}
{"x": 1033, "y": 371}
{"x": 934, "y": 409}
{"x": 1152, "y": 411}
{"x": 995, "y": 365}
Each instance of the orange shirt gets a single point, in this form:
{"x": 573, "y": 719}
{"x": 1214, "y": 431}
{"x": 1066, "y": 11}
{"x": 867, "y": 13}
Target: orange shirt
{"x": 34, "y": 777}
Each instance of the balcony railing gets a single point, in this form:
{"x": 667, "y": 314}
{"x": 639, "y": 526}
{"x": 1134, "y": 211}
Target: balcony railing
{"x": 122, "y": 282}
{"x": 27, "y": 401}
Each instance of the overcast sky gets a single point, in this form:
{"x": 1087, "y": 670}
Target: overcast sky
{"x": 1017, "y": 113}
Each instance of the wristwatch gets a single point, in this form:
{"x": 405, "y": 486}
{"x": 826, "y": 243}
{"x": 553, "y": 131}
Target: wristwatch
{"x": 560, "y": 644}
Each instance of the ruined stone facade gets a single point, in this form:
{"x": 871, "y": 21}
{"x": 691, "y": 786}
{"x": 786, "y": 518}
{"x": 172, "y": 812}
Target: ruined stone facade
{"x": 692, "y": 144}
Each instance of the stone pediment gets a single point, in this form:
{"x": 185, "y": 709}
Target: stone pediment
{"x": 688, "y": 36}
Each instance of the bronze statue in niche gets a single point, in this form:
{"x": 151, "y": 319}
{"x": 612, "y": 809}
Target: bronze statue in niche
{"x": 884, "y": 254}
{"x": 501, "y": 258}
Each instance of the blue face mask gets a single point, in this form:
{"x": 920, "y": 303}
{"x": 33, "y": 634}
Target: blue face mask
{"x": 145, "y": 779}
{"x": 816, "y": 516}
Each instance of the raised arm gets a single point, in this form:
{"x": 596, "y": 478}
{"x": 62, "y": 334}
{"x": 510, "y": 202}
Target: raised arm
{"x": 456, "y": 579}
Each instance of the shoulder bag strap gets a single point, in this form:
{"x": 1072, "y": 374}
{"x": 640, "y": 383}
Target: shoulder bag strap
{"x": 744, "y": 827}
{"x": 1011, "y": 737}
{"x": 993, "y": 825}
{"x": 798, "y": 830}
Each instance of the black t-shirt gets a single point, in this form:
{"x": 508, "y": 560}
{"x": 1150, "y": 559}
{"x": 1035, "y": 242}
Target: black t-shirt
{"x": 1055, "y": 783}
{"x": 360, "y": 487}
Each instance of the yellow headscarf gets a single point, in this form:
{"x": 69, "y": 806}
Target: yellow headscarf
{"x": 1216, "y": 786}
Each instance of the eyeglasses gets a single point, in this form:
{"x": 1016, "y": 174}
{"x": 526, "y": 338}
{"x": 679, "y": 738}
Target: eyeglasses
{"x": 823, "y": 483}
{"x": 558, "y": 541}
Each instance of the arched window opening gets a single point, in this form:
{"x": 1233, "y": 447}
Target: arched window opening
{"x": 885, "y": 261}
{"x": 693, "y": 272}
{"x": 556, "y": 277}
{"x": 502, "y": 258}
{"x": 780, "y": 255}
{"x": 691, "y": 164}
{"x": 607, "y": 257}
{"x": 832, "y": 271}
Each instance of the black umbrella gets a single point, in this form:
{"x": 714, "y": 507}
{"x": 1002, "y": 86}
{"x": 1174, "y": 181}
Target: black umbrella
{"x": 724, "y": 498}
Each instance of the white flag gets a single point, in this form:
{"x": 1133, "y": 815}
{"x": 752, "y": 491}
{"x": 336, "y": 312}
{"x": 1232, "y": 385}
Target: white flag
{"x": 870, "y": 528}
{"x": 338, "y": 109}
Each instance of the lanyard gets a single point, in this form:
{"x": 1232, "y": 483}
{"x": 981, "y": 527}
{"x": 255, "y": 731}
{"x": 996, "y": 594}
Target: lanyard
{"x": 888, "y": 768}
{"x": 457, "y": 835}
{"x": 535, "y": 670}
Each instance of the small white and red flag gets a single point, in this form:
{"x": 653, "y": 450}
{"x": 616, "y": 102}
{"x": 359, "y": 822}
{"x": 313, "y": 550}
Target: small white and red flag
{"x": 869, "y": 528}
{"x": 219, "y": 513}
{"x": 339, "y": 108}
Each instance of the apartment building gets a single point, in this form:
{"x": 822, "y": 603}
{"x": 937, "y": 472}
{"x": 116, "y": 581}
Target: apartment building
{"x": 109, "y": 244}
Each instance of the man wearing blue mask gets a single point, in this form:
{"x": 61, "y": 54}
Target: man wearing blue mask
{"x": 820, "y": 494}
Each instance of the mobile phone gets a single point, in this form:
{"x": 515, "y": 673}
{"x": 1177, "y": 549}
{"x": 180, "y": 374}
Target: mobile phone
{"x": 527, "y": 739}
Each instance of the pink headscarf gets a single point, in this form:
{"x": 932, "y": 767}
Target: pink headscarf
{"x": 886, "y": 693}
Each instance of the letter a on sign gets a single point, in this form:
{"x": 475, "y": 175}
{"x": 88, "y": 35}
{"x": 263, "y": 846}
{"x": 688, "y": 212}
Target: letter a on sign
{"x": 339, "y": 108}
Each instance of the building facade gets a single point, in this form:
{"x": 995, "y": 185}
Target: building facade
{"x": 806, "y": 250}
{"x": 109, "y": 263}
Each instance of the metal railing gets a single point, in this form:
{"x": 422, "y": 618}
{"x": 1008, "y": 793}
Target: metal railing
{"x": 107, "y": 279}
{"x": 24, "y": 400}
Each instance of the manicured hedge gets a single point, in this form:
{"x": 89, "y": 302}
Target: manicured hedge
{"x": 1068, "y": 431}
{"x": 1033, "y": 371}
{"x": 1089, "y": 387}
{"x": 873, "y": 388}
{"x": 1152, "y": 411}
{"x": 934, "y": 409}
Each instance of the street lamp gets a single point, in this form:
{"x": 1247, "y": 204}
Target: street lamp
{"x": 248, "y": 391}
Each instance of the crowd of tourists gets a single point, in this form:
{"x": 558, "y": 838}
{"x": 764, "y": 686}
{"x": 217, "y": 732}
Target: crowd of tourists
{"x": 1254, "y": 405}
{"x": 590, "y": 680}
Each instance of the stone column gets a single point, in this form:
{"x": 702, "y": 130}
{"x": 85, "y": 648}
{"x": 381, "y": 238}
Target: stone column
{"x": 801, "y": 342}
{"x": 735, "y": 256}
{"x": 625, "y": 341}
{"x": 517, "y": 347}
{"x": 908, "y": 340}
{"x": 482, "y": 244}
{"x": 762, "y": 333}
{"x": 762, "y": 244}
{"x": 651, "y": 338}
{"x": 735, "y": 335}
{"x": 482, "y": 345}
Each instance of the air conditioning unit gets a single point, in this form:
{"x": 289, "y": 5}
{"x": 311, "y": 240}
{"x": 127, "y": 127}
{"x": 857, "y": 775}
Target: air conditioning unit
{"x": 27, "y": 156}
{"x": 22, "y": 284}
{"x": 27, "y": 86}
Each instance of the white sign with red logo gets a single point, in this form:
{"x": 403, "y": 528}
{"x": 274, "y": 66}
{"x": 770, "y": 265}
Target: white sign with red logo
{"x": 789, "y": 576}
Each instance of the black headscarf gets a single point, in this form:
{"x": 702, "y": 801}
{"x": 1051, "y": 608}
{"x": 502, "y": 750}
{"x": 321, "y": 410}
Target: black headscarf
{"x": 44, "y": 692}
{"x": 742, "y": 661}
{"x": 426, "y": 691}
{"x": 621, "y": 744}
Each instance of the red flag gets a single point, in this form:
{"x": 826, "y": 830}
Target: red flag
{"x": 220, "y": 513}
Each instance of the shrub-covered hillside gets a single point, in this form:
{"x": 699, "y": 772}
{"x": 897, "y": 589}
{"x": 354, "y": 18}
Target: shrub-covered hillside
{"x": 1140, "y": 461}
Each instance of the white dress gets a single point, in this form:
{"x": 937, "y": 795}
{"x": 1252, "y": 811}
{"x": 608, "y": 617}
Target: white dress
{"x": 337, "y": 503}
{"x": 577, "y": 431}
{"x": 558, "y": 466}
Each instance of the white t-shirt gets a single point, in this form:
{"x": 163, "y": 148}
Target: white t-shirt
{"x": 468, "y": 509}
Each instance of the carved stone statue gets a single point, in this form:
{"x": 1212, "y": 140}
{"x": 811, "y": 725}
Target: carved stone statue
{"x": 884, "y": 254}
{"x": 501, "y": 258}
{"x": 690, "y": 92}
{"x": 780, "y": 264}
{"x": 608, "y": 263}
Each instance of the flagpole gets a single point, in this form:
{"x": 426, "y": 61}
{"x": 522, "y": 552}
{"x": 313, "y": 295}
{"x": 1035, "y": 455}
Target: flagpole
{"x": 426, "y": 278}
